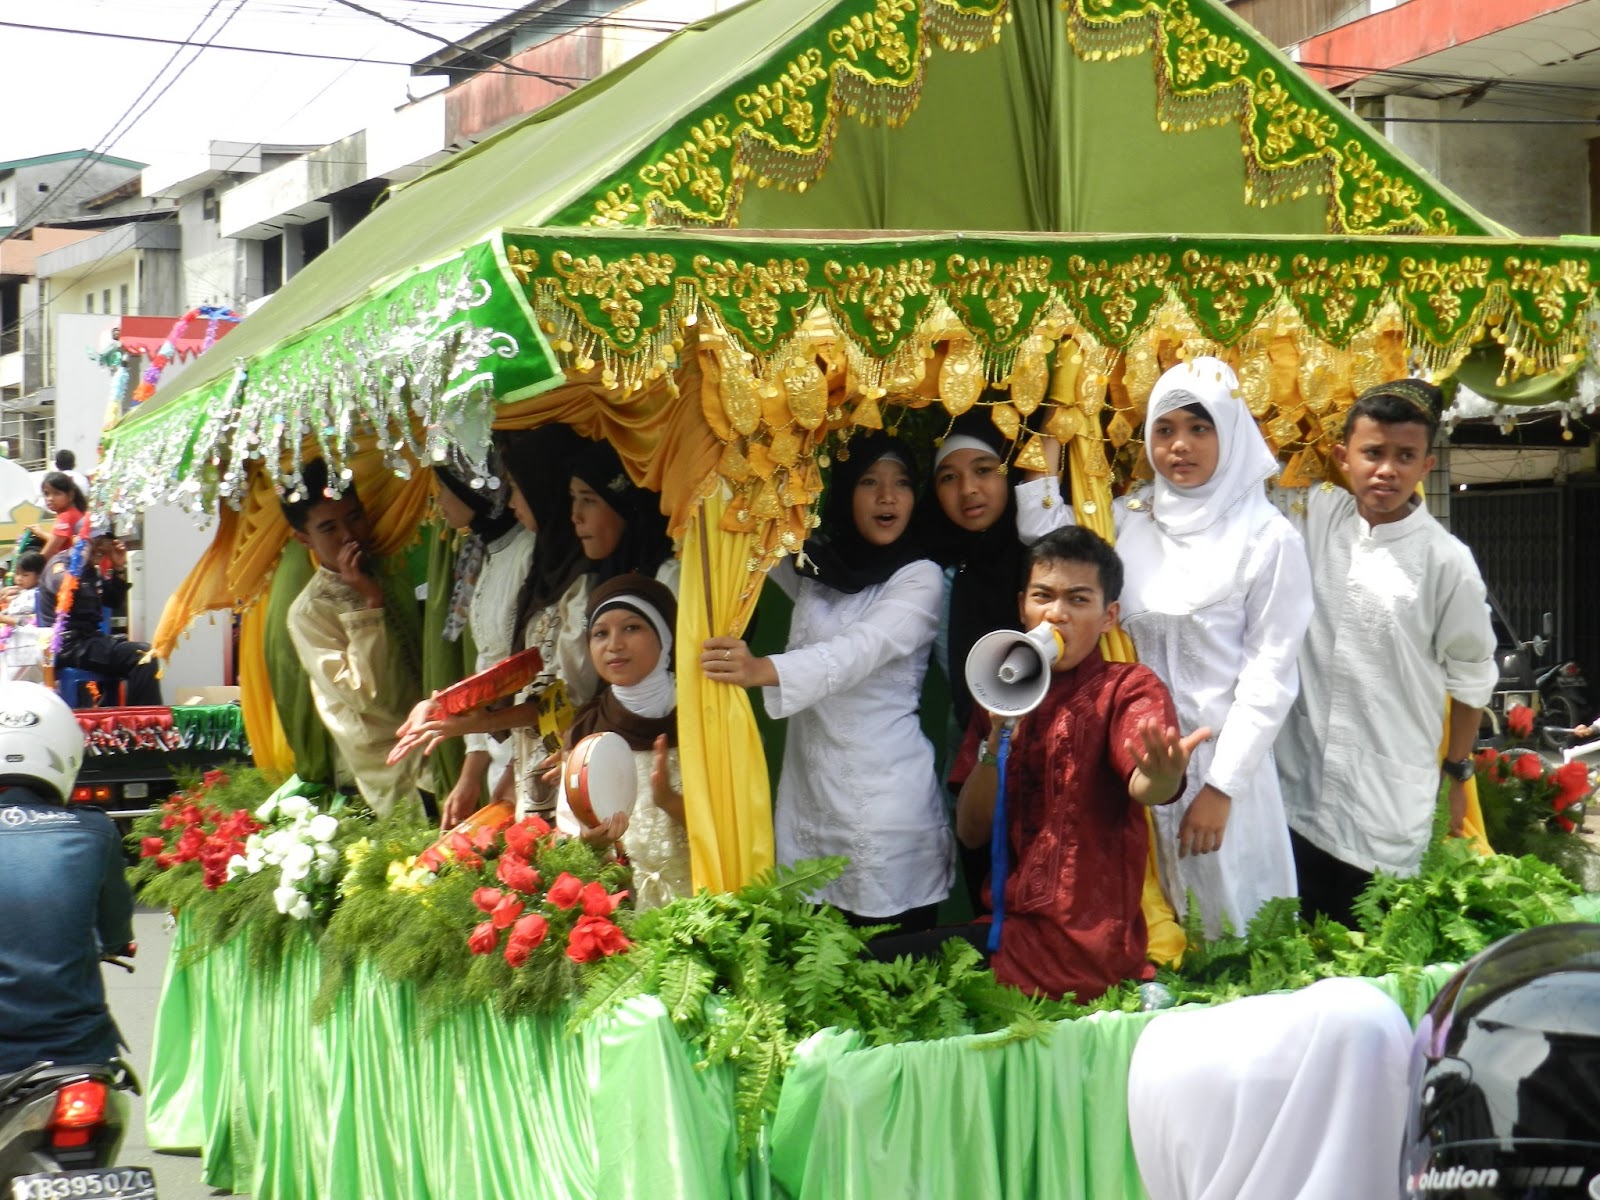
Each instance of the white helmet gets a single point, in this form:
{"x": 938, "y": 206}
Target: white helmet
{"x": 41, "y": 742}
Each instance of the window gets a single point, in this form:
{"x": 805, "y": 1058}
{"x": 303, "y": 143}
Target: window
{"x": 88, "y": 303}
{"x": 44, "y": 187}
{"x": 105, "y": 301}
{"x": 122, "y": 299}
{"x": 209, "y": 208}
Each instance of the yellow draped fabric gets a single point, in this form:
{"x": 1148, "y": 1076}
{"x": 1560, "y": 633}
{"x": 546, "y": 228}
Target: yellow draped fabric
{"x": 726, "y": 801}
{"x": 268, "y": 743}
{"x": 1472, "y": 827}
{"x": 1090, "y": 481}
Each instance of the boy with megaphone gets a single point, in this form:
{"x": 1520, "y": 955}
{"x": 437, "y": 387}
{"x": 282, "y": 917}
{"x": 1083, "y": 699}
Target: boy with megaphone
{"x": 1101, "y": 744}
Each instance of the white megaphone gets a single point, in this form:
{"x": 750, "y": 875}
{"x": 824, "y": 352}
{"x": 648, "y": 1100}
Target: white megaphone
{"x": 1008, "y": 672}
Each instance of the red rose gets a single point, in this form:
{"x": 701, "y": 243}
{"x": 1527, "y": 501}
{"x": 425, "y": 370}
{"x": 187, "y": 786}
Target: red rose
{"x": 516, "y": 874}
{"x": 595, "y": 937}
{"x": 507, "y": 911}
{"x": 189, "y": 844}
{"x": 565, "y": 891}
{"x": 214, "y": 778}
{"x": 1484, "y": 759}
{"x": 526, "y": 935}
{"x": 430, "y": 859}
{"x": 484, "y": 939}
{"x": 151, "y": 846}
{"x": 1519, "y": 720}
{"x": 1572, "y": 780}
{"x": 482, "y": 837}
{"x": 1528, "y": 767}
{"x": 522, "y": 837}
{"x": 486, "y": 898}
{"x": 1567, "y": 823}
{"x": 597, "y": 902}
{"x": 166, "y": 861}
{"x": 529, "y": 931}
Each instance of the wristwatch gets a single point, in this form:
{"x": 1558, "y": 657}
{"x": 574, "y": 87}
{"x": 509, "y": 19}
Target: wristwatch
{"x": 1459, "y": 769}
{"x": 986, "y": 756}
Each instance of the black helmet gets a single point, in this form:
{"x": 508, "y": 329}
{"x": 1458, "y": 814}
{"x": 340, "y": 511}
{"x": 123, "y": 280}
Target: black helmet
{"x": 1505, "y": 1075}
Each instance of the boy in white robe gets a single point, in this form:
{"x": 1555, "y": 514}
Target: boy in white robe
{"x": 1401, "y": 621}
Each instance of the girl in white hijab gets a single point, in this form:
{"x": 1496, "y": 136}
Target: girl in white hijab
{"x": 1217, "y": 599}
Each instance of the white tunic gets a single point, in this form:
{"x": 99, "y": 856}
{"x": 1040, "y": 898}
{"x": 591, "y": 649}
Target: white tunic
{"x": 1402, "y": 620}
{"x": 492, "y": 614}
{"x": 858, "y": 775}
{"x": 1228, "y": 658}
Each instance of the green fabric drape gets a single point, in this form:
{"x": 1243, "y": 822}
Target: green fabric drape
{"x": 291, "y": 690}
{"x": 375, "y": 1101}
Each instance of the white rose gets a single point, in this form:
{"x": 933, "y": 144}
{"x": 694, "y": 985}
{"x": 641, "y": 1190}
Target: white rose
{"x": 237, "y": 866}
{"x": 299, "y": 855}
{"x": 285, "y": 898}
{"x": 294, "y": 806}
{"x": 327, "y": 854}
{"x": 301, "y": 909}
{"x": 293, "y": 873}
{"x": 323, "y": 827}
{"x": 324, "y": 870}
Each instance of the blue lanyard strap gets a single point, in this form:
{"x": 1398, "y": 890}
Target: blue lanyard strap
{"x": 999, "y": 841}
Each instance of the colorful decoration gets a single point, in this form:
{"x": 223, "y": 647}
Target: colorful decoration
{"x": 212, "y": 315}
{"x": 77, "y": 562}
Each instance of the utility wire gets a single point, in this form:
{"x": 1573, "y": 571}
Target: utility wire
{"x": 372, "y": 12}
{"x": 573, "y": 80}
{"x": 110, "y": 137}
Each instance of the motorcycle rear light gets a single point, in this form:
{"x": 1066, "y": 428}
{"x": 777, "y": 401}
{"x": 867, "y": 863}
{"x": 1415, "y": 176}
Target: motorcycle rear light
{"x": 64, "y": 1138}
{"x": 79, "y": 1106}
{"x": 1570, "y": 669}
{"x": 81, "y": 795}
{"x": 91, "y": 795}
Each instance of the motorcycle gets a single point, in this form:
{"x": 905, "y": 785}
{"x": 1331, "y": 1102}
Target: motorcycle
{"x": 62, "y": 1124}
{"x": 1556, "y": 695}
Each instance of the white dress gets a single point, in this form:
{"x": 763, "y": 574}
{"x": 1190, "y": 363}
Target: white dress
{"x": 858, "y": 774}
{"x": 491, "y": 615}
{"x": 1402, "y": 620}
{"x": 24, "y": 646}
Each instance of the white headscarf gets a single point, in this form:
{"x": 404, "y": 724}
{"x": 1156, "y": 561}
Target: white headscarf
{"x": 1243, "y": 460}
{"x": 656, "y": 694}
{"x": 1301, "y": 1096}
{"x": 1208, "y": 528}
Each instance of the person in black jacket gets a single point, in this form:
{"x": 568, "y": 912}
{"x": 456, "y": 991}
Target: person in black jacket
{"x": 83, "y": 644}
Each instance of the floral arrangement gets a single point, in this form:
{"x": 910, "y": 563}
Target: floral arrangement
{"x": 1530, "y": 807}
{"x": 195, "y": 828}
{"x": 508, "y": 914}
{"x": 297, "y": 840}
{"x": 213, "y": 315}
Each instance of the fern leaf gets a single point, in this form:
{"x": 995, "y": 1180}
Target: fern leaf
{"x": 684, "y": 985}
{"x": 614, "y": 980}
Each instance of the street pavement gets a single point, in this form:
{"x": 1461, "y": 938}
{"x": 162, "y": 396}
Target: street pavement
{"x": 133, "y": 1000}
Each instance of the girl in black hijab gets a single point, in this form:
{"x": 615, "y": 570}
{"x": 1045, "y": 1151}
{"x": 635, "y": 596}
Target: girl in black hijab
{"x": 618, "y": 524}
{"x": 858, "y": 775}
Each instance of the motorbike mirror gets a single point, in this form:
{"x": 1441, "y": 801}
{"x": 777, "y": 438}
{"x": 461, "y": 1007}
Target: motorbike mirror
{"x": 1539, "y": 646}
{"x": 1548, "y": 625}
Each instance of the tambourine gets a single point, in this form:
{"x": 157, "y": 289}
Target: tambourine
{"x": 600, "y": 778}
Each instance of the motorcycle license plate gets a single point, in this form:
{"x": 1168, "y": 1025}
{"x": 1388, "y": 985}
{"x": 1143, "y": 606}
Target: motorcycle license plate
{"x": 122, "y": 1183}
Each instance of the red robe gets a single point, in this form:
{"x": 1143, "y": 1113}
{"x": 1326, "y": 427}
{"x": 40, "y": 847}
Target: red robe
{"x": 1073, "y": 921}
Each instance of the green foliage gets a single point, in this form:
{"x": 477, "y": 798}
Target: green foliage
{"x": 746, "y": 977}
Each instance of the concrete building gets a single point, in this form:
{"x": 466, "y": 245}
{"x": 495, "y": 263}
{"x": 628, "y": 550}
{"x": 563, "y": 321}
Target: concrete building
{"x": 51, "y": 188}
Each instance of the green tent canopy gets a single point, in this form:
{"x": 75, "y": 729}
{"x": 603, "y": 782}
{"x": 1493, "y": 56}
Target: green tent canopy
{"x": 1089, "y": 116}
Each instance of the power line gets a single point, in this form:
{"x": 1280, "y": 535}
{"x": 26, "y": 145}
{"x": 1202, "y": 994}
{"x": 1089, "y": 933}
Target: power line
{"x": 109, "y": 138}
{"x": 372, "y": 12}
{"x": 344, "y": 58}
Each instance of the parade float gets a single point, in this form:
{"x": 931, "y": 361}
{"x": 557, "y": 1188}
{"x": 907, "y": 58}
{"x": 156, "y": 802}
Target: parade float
{"x": 359, "y": 1009}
